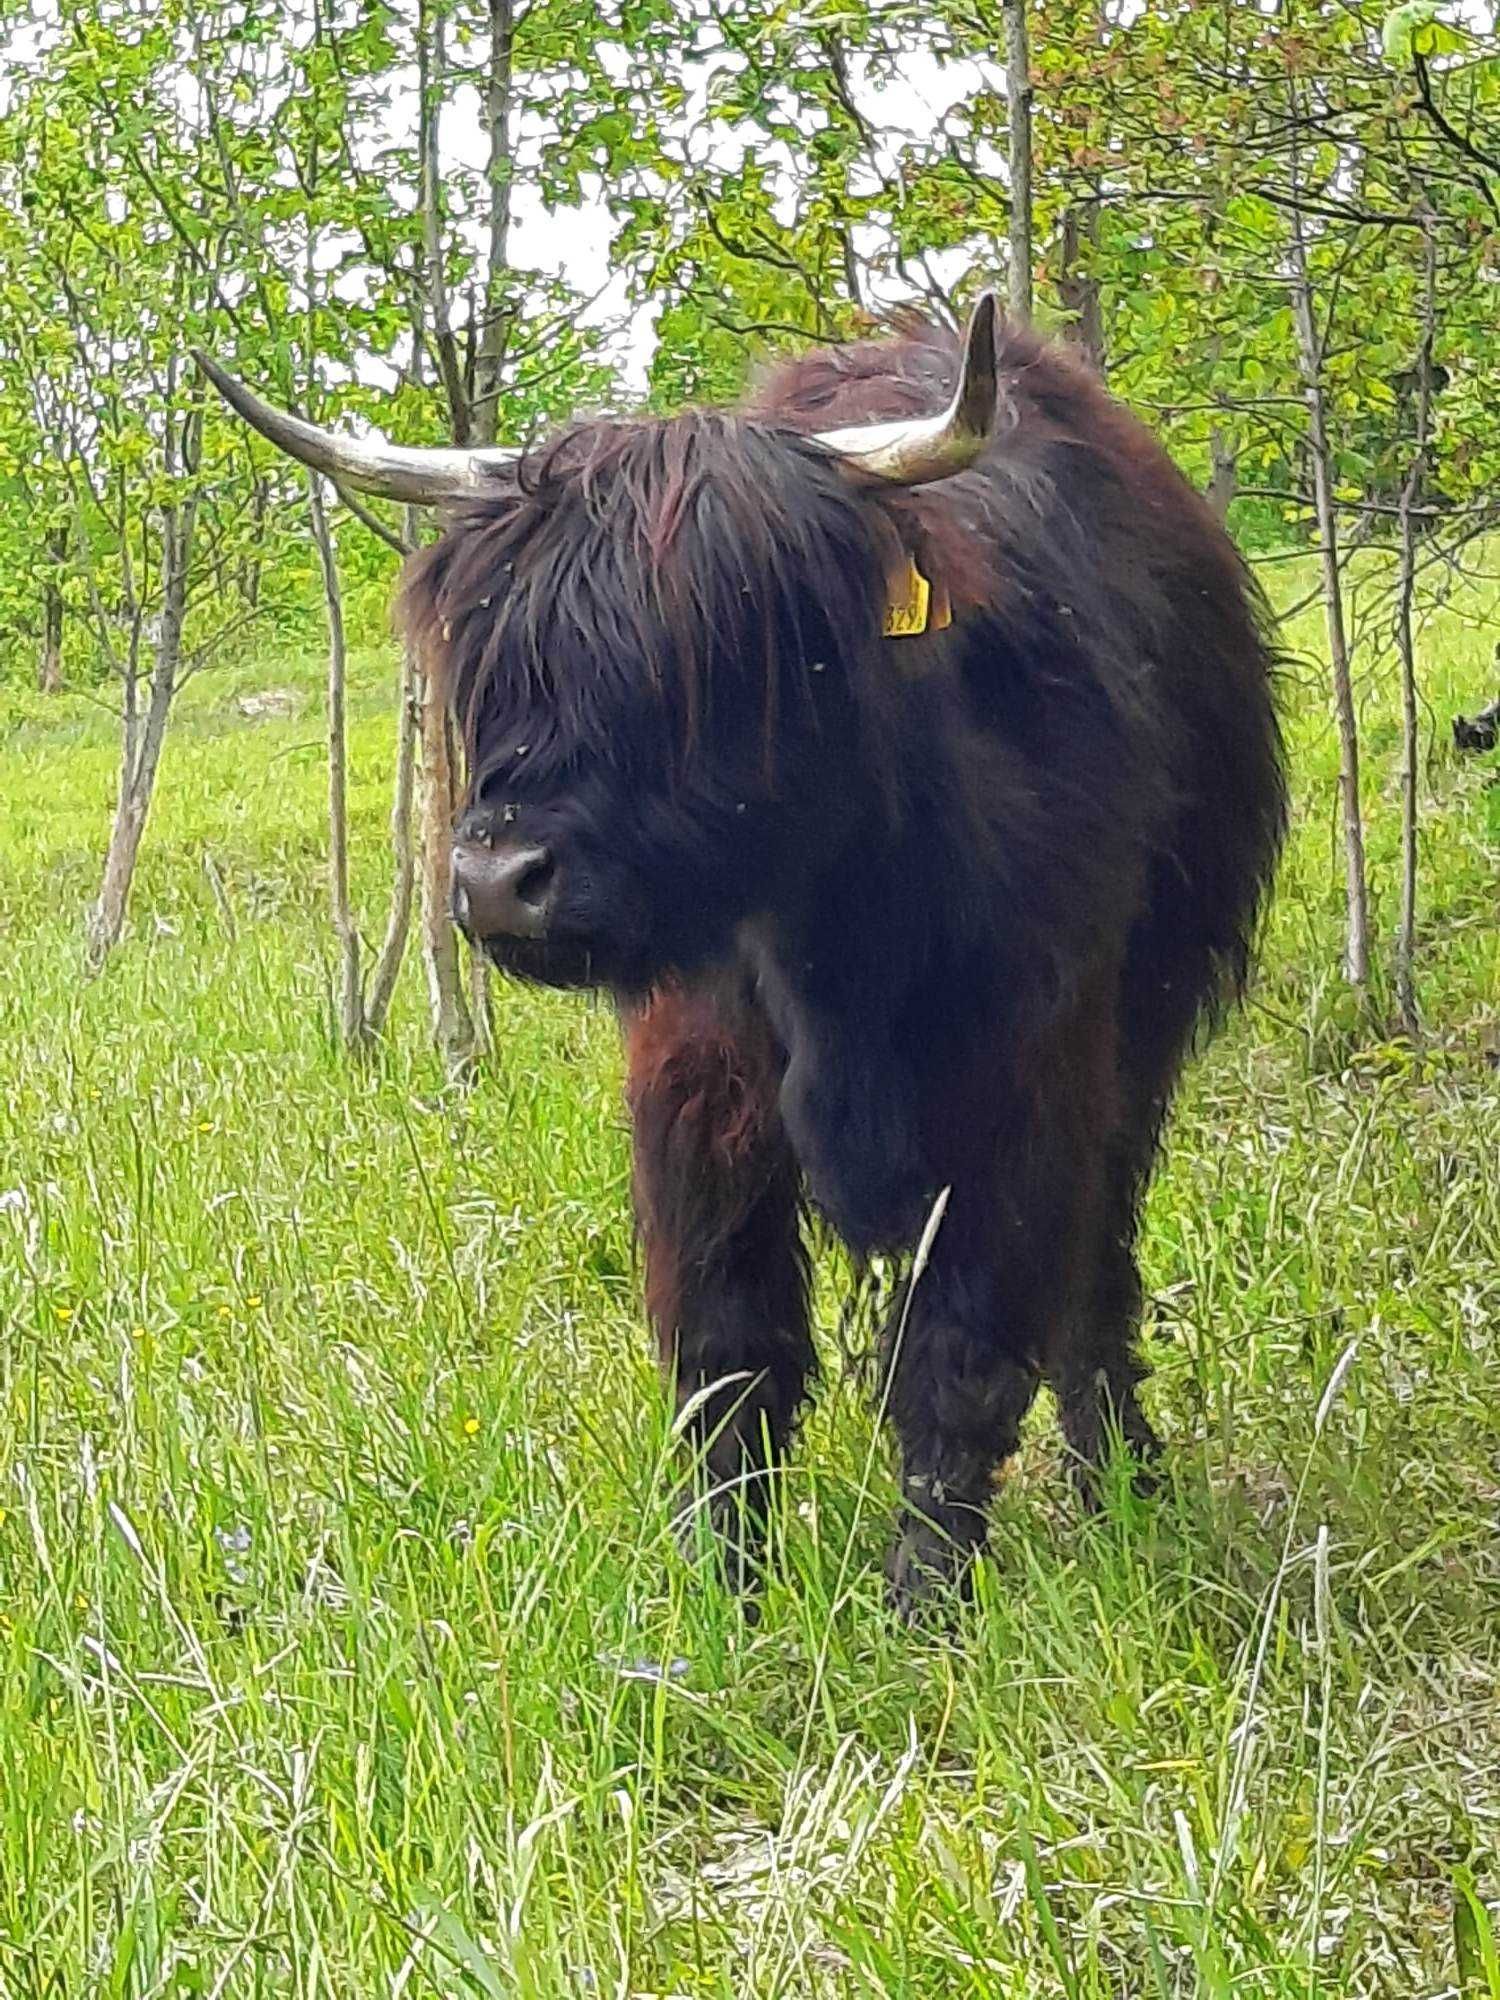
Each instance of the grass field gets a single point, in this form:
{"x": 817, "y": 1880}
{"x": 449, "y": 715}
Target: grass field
{"x": 343, "y": 1649}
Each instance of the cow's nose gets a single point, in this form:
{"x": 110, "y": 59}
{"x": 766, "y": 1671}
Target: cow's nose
{"x": 502, "y": 891}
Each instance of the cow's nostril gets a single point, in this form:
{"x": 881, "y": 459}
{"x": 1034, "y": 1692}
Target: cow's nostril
{"x": 502, "y": 891}
{"x": 533, "y": 884}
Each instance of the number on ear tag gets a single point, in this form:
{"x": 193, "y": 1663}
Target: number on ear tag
{"x": 914, "y": 606}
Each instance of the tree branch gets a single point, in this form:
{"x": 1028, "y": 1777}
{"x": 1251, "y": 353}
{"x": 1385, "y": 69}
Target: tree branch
{"x": 1450, "y": 132}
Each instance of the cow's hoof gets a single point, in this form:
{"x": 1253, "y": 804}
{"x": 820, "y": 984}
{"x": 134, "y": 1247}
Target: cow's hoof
{"x": 1095, "y": 1430}
{"x": 1093, "y": 1484}
{"x": 929, "y": 1574}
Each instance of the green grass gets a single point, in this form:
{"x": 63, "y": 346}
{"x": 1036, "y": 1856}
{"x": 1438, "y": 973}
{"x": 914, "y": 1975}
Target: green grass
{"x": 343, "y": 1650}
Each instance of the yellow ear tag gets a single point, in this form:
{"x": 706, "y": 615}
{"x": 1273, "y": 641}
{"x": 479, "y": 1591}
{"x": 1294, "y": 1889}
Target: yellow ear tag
{"x": 914, "y": 606}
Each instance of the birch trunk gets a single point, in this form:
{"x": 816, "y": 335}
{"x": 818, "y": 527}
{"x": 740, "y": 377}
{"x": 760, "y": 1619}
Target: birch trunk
{"x": 1310, "y": 357}
{"x": 353, "y": 1029}
{"x": 403, "y": 851}
{"x": 1078, "y": 288}
{"x": 1018, "y": 113}
{"x": 1406, "y": 929}
{"x": 142, "y": 738}
{"x": 49, "y": 666}
{"x": 432, "y": 66}
{"x": 452, "y": 1022}
{"x": 1223, "y": 476}
{"x": 494, "y": 330}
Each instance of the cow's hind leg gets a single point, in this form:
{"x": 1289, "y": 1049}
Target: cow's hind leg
{"x": 717, "y": 1209}
{"x": 1096, "y": 1371}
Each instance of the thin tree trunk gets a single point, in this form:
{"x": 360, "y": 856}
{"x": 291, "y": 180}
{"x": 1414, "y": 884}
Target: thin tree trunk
{"x": 143, "y": 738}
{"x": 106, "y": 917}
{"x": 479, "y": 965}
{"x": 431, "y": 77}
{"x": 250, "y": 569}
{"x": 1223, "y": 459}
{"x": 49, "y": 672}
{"x": 1018, "y": 112}
{"x": 1078, "y": 289}
{"x": 491, "y": 344}
{"x": 1406, "y": 930}
{"x": 1356, "y": 887}
{"x": 49, "y": 666}
{"x": 836, "y": 56}
{"x": 452, "y": 1022}
{"x": 403, "y": 851}
{"x": 353, "y": 1028}
{"x": 481, "y": 999}
{"x": 1223, "y": 478}
{"x": 130, "y": 697}
{"x": 481, "y": 991}
{"x": 473, "y": 393}
{"x": 494, "y": 328}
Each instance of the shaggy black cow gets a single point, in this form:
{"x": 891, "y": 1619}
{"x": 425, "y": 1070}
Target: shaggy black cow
{"x": 913, "y": 780}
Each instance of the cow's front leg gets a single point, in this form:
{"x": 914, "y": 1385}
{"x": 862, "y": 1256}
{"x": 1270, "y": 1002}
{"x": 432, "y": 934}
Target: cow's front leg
{"x": 960, "y": 1380}
{"x": 717, "y": 1209}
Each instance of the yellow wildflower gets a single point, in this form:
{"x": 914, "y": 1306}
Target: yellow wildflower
{"x": 471, "y": 1426}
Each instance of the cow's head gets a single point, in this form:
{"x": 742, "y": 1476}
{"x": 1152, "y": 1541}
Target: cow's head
{"x": 660, "y": 643}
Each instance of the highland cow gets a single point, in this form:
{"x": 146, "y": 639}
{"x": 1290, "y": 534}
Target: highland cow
{"x": 900, "y": 752}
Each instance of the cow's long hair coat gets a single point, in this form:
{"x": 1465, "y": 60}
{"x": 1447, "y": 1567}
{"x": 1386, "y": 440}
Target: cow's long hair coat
{"x": 885, "y": 915}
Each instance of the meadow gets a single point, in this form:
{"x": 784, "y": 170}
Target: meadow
{"x": 344, "y": 1647}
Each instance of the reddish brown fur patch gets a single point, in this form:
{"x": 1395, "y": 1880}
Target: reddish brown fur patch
{"x": 716, "y": 1197}
{"x": 702, "y": 1094}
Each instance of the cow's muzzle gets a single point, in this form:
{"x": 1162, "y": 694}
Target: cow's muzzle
{"x": 502, "y": 891}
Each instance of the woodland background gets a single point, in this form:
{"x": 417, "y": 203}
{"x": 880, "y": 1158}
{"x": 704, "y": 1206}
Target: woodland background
{"x": 344, "y": 1646}
{"x": 1275, "y": 229}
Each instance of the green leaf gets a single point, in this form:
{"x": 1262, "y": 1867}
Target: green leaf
{"x": 1415, "y": 29}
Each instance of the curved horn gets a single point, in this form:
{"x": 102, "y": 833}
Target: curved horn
{"x": 919, "y": 449}
{"x": 423, "y": 477}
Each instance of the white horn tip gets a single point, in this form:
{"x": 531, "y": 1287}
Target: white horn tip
{"x": 979, "y": 386}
